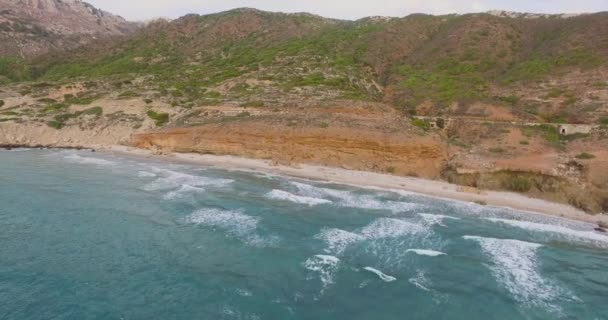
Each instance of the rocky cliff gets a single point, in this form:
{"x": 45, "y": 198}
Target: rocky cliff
{"x": 33, "y": 27}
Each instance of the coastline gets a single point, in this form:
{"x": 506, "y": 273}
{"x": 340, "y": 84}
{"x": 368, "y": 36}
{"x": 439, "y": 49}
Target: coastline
{"x": 365, "y": 179}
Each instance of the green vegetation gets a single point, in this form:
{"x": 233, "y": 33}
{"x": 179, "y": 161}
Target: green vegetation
{"x": 451, "y": 80}
{"x": 421, "y": 123}
{"x": 159, "y": 118}
{"x": 497, "y": 150}
{"x": 55, "y": 107}
{"x": 253, "y": 104}
{"x": 55, "y": 124}
{"x": 60, "y": 120}
{"x": 604, "y": 122}
{"x": 14, "y": 69}
{"x": 524, "y": 142}
{"x": 585, "y": 156}
{"x": 517, "y": 183}
{"x": 539, "y": 67}
{"x": 1, "y": 103}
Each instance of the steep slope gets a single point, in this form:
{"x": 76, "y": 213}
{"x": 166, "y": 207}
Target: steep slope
{"x": 34, "y": 27}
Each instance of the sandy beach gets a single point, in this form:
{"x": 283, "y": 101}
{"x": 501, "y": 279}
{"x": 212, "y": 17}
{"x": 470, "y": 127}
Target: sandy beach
{"x": 365, "y": 179}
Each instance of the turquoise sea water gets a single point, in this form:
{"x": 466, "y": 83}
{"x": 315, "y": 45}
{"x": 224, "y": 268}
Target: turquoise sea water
{"x": 94, "y": 236}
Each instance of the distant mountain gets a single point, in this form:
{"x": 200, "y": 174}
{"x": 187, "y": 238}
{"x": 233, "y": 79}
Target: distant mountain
{"x": 540, "y": 67}
{"x": 33, "y": 27}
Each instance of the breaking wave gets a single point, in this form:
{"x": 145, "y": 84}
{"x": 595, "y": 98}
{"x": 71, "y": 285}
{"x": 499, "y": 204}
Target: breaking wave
{"x": 381, "y": 275}
{"x": 286, "y": 196}
{"x": 182, "y": 192}
{"x": 351, "y": 200}
{"x": 74, "y": 158}
{"x": 590, "y": 237}
{"x": 326, "y": 266}
{"x": 429, "y": 253}
{"x": 338, "y": 240}
{"x": 235, "y": 223}
{"x": 515, "y": 267}
{"x": 392, "y": 228}
{"x": 436, "y": 219}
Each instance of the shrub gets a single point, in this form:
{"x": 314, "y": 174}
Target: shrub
{"x": 1, "y": 103}
{"x": 497, "y": 150}
{"x": 585, "y": 156}
{"x": 524, "y": 142}
{"x": 603, "y": 121}
{"x": 159, "y": 118}
{"x": 517, "y": 184}
{"x": 421, "y": 123}
{"x": 148, "y": 101}
{"x": 55, "y": 124}
{"x": 440, "y": 123}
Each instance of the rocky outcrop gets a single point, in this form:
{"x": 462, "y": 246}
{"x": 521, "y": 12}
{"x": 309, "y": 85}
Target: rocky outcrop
{"x": 33, "y": 27}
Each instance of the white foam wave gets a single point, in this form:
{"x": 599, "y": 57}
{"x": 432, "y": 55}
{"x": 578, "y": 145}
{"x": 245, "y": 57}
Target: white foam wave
{"x": 516, "y": 268}
{"x": 172, "y": 180}
{"x": 74, "y": 158}
{"x": 146, "y": 174}
{"x": 182, "y": 192}
{"x": 286, "y": 196}
{"x": 352, "y": 200}
{"x": 326, "y": 266}
{"x": 384, "y": 277}
{"x": 234, "y": 223}
{"x": 392, "y": 228}
{"x": 420, "y": 281}
{"x": 429, "y": 253}
{"x": 338, "y": 240}
{"x": 16, "y": 150}
{"x": 436, "y": 219}
{"x": 571, "y": 234}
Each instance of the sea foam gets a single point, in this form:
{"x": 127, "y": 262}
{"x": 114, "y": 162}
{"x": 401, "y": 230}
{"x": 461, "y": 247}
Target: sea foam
{"x": 74, "y": 158}
{"x": 436, "y": 219}
{"x": 381, "y": 275}
{"x": 286, "y": 196}
{"x": 235, "y": 223}
{"x": 169, "y": 179}
{"x": 429, "y": 253}
{"x": 590, "y": 237}
{"x": 338, "y": 240}
{"x": 326, "y": 266}
{"x": 351, "y": 200}
{"x": 391, "y": 228}
{"x": 516, "y": 268}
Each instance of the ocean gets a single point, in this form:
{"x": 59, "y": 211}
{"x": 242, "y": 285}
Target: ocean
{"x": 96, "y": 236}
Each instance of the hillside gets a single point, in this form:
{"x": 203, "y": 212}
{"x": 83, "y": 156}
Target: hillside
{"x": 33, "y": 27}
{"x": 361, "y": 94}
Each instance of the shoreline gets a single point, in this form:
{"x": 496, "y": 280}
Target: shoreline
{"x": 364, "y": 179}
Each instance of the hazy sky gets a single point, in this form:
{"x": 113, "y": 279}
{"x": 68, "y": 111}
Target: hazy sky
{"x": 343, "y": 9}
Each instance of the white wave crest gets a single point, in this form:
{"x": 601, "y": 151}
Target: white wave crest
{"x": 172, "y": 180}
{"x": 516, "y": 268}
{"x": 182, "y": 192}
{"x": 338, "y": 240}
{"x": 146, "y": 174}
{"x": 352, "y": 200}
{"x": 420, "y": 281}
{"x": 392, "y": 228}
{"x": 384, "y": 277}
{"x": 436, "y": 219}
{"x": 590, "y": 237}
{"x": 286, "y": 196}
{"x": 326, "y": 266}
{"x": 429, "y": 253}
{"x": 234, "y": 223}
{"x": 74, "y": 158}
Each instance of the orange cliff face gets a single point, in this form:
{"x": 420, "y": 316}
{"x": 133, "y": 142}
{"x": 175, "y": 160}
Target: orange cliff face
{"x": 337, "y": 146}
